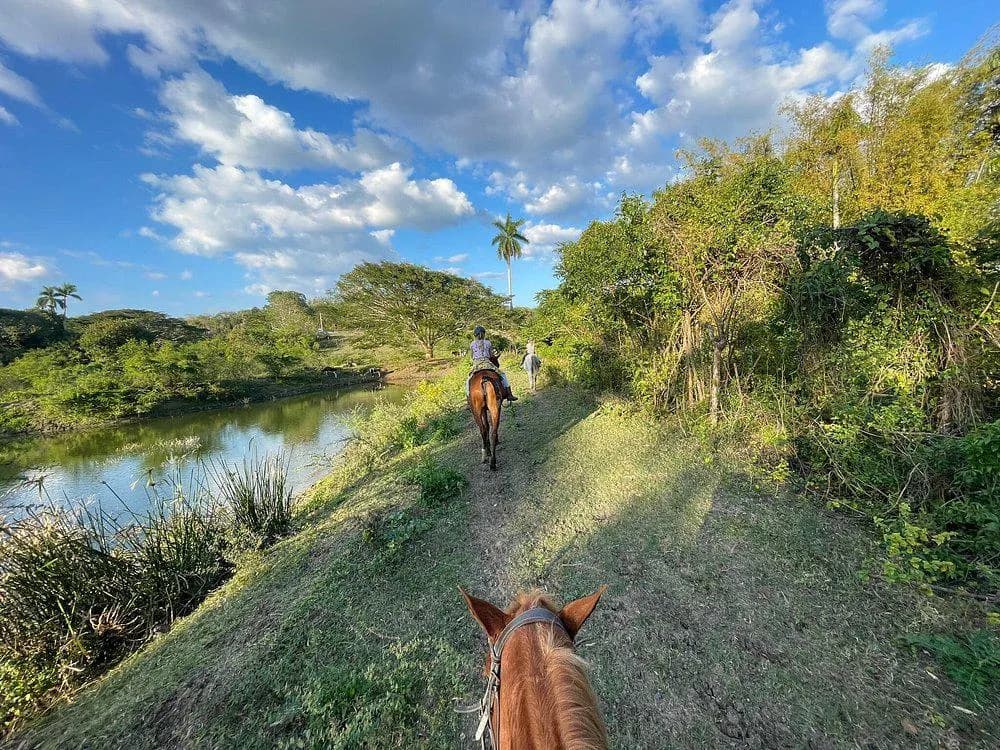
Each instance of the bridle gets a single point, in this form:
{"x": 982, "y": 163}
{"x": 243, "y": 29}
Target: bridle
{"x": 492, "y": 695}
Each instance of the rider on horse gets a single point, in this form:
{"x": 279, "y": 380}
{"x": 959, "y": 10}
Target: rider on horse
{"x": 485, "y": 358}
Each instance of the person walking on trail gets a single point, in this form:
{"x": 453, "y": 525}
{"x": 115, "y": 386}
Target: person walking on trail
{"x": 485, "y": 358}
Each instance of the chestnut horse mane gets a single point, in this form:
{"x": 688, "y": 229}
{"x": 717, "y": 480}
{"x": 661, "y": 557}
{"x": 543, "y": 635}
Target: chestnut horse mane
{"x": 570, "y": 698}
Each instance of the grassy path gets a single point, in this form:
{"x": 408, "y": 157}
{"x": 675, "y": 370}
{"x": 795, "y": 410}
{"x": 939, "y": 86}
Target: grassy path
{"x": 731, "y": 621}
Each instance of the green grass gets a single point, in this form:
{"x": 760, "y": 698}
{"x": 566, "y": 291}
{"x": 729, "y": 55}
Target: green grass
{"x": 972, "y": 660}
{"x": 438, "y": 484}
{"x": 732, "y": 619}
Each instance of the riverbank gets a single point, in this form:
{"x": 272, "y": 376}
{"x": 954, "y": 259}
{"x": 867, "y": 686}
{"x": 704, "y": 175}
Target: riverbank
{"x": 417, "y": 372}
{"x": 732, "y": 619}
{"x": 107, "y": 535}
{"x": 248, "y": 392}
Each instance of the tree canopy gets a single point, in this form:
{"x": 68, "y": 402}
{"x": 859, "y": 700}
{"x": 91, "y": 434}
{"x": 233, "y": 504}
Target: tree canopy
{"x": 401, "y": 301}
{"x": 838, "y": 292}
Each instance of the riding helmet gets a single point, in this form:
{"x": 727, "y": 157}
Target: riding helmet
{"x": 480, "y": 331}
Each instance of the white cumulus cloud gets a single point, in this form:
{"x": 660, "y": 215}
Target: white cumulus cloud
{"x": 16, "y": 267}
{"x": 299, "y": 237}
{"x": 567, "y": 102}
{"x": 734, "y": 86}
{"x": 544, "y": 239}
{"x": 247, "y": 131}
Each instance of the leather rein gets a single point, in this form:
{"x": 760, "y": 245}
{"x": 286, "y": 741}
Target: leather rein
{"x": 492, "y": 694}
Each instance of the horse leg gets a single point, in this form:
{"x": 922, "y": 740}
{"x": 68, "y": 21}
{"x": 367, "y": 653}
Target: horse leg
{"x": 484, "y": 432}
{"x": 494, "y": 434}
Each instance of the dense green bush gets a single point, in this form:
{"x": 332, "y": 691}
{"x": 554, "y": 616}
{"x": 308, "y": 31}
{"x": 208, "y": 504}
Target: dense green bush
{"x": 23, "y": 330}
{"x": 825, "y": 312}
{"x": 438, "y": 484}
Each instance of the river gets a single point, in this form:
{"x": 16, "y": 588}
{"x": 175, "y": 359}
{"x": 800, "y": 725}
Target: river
{"x": 115, "y": 465}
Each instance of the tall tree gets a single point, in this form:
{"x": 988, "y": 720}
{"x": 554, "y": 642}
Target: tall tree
{"x": 728, "y": 232}
{"x": 508, "y": 242}
{"x": 65, "y": 292}
{"x": 390, "y": 302}
{"x": 48, "y": 299}
{"x": 824, "y": 150}
{"x": 289, "y": 313}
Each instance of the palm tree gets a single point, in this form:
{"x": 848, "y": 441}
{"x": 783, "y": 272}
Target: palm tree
{"x": 65, "y": 292}
{"x": 48, "y": 299}
{"x": 508, "y": 242}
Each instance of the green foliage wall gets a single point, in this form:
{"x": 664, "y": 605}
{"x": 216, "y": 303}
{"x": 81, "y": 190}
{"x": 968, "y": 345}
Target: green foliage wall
{"x": 126, "y": 363}
{"x": 829, "y": 306}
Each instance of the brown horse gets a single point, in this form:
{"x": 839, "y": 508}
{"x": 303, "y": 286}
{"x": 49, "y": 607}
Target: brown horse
{"x": 543, "y": 700}
{"x": 485, "y": 398}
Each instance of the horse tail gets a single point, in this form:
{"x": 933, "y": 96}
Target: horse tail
{"x": 483, "y": 382}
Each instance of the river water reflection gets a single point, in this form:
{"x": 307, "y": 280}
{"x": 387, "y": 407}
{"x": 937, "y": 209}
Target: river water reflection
{"x": 88, "y": 465}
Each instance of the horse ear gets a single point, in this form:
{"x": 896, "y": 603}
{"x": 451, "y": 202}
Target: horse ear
{"x": 492, "y": 618}
{"x": 576, "y": 613}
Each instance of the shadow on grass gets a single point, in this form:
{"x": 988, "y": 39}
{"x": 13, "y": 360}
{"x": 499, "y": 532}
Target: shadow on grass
{"x": 733, "y": 620}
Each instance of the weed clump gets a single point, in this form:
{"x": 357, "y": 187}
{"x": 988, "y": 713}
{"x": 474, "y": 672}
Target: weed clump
{"x": 972, "y": 660}
{"x": 438, "y": 484}
{"x": 257, "y": 495}
{"x": 387, "y": 534}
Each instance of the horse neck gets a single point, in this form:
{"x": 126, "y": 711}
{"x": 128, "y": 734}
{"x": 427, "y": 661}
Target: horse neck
{"x": 545, "y": 698}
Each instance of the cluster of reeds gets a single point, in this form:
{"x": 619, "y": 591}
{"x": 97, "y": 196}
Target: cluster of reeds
{"x": 81, "y": 587}
{"x": 256, "y": 494}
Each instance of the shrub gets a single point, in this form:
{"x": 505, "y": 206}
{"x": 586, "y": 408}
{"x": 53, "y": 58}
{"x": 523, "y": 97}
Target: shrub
{"x": 427, "y": 414}
{"x": 438, "y": 484}
{"x": 414, "y": 431}
{"x": 257, "y": 495}
{"x": 180, "y": 553}
{"x": 25, "y": 687}
{"x": 107, "y": 335}
{"x": 23, "y": 330}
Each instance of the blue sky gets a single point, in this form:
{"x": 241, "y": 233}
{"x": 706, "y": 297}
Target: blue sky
{"x": 186, "y": 157}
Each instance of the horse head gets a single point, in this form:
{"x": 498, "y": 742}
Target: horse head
{"x": 546, "y": 700}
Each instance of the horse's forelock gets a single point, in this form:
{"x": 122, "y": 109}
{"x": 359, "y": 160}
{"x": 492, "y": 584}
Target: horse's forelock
{"x": 528, "y": 599}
